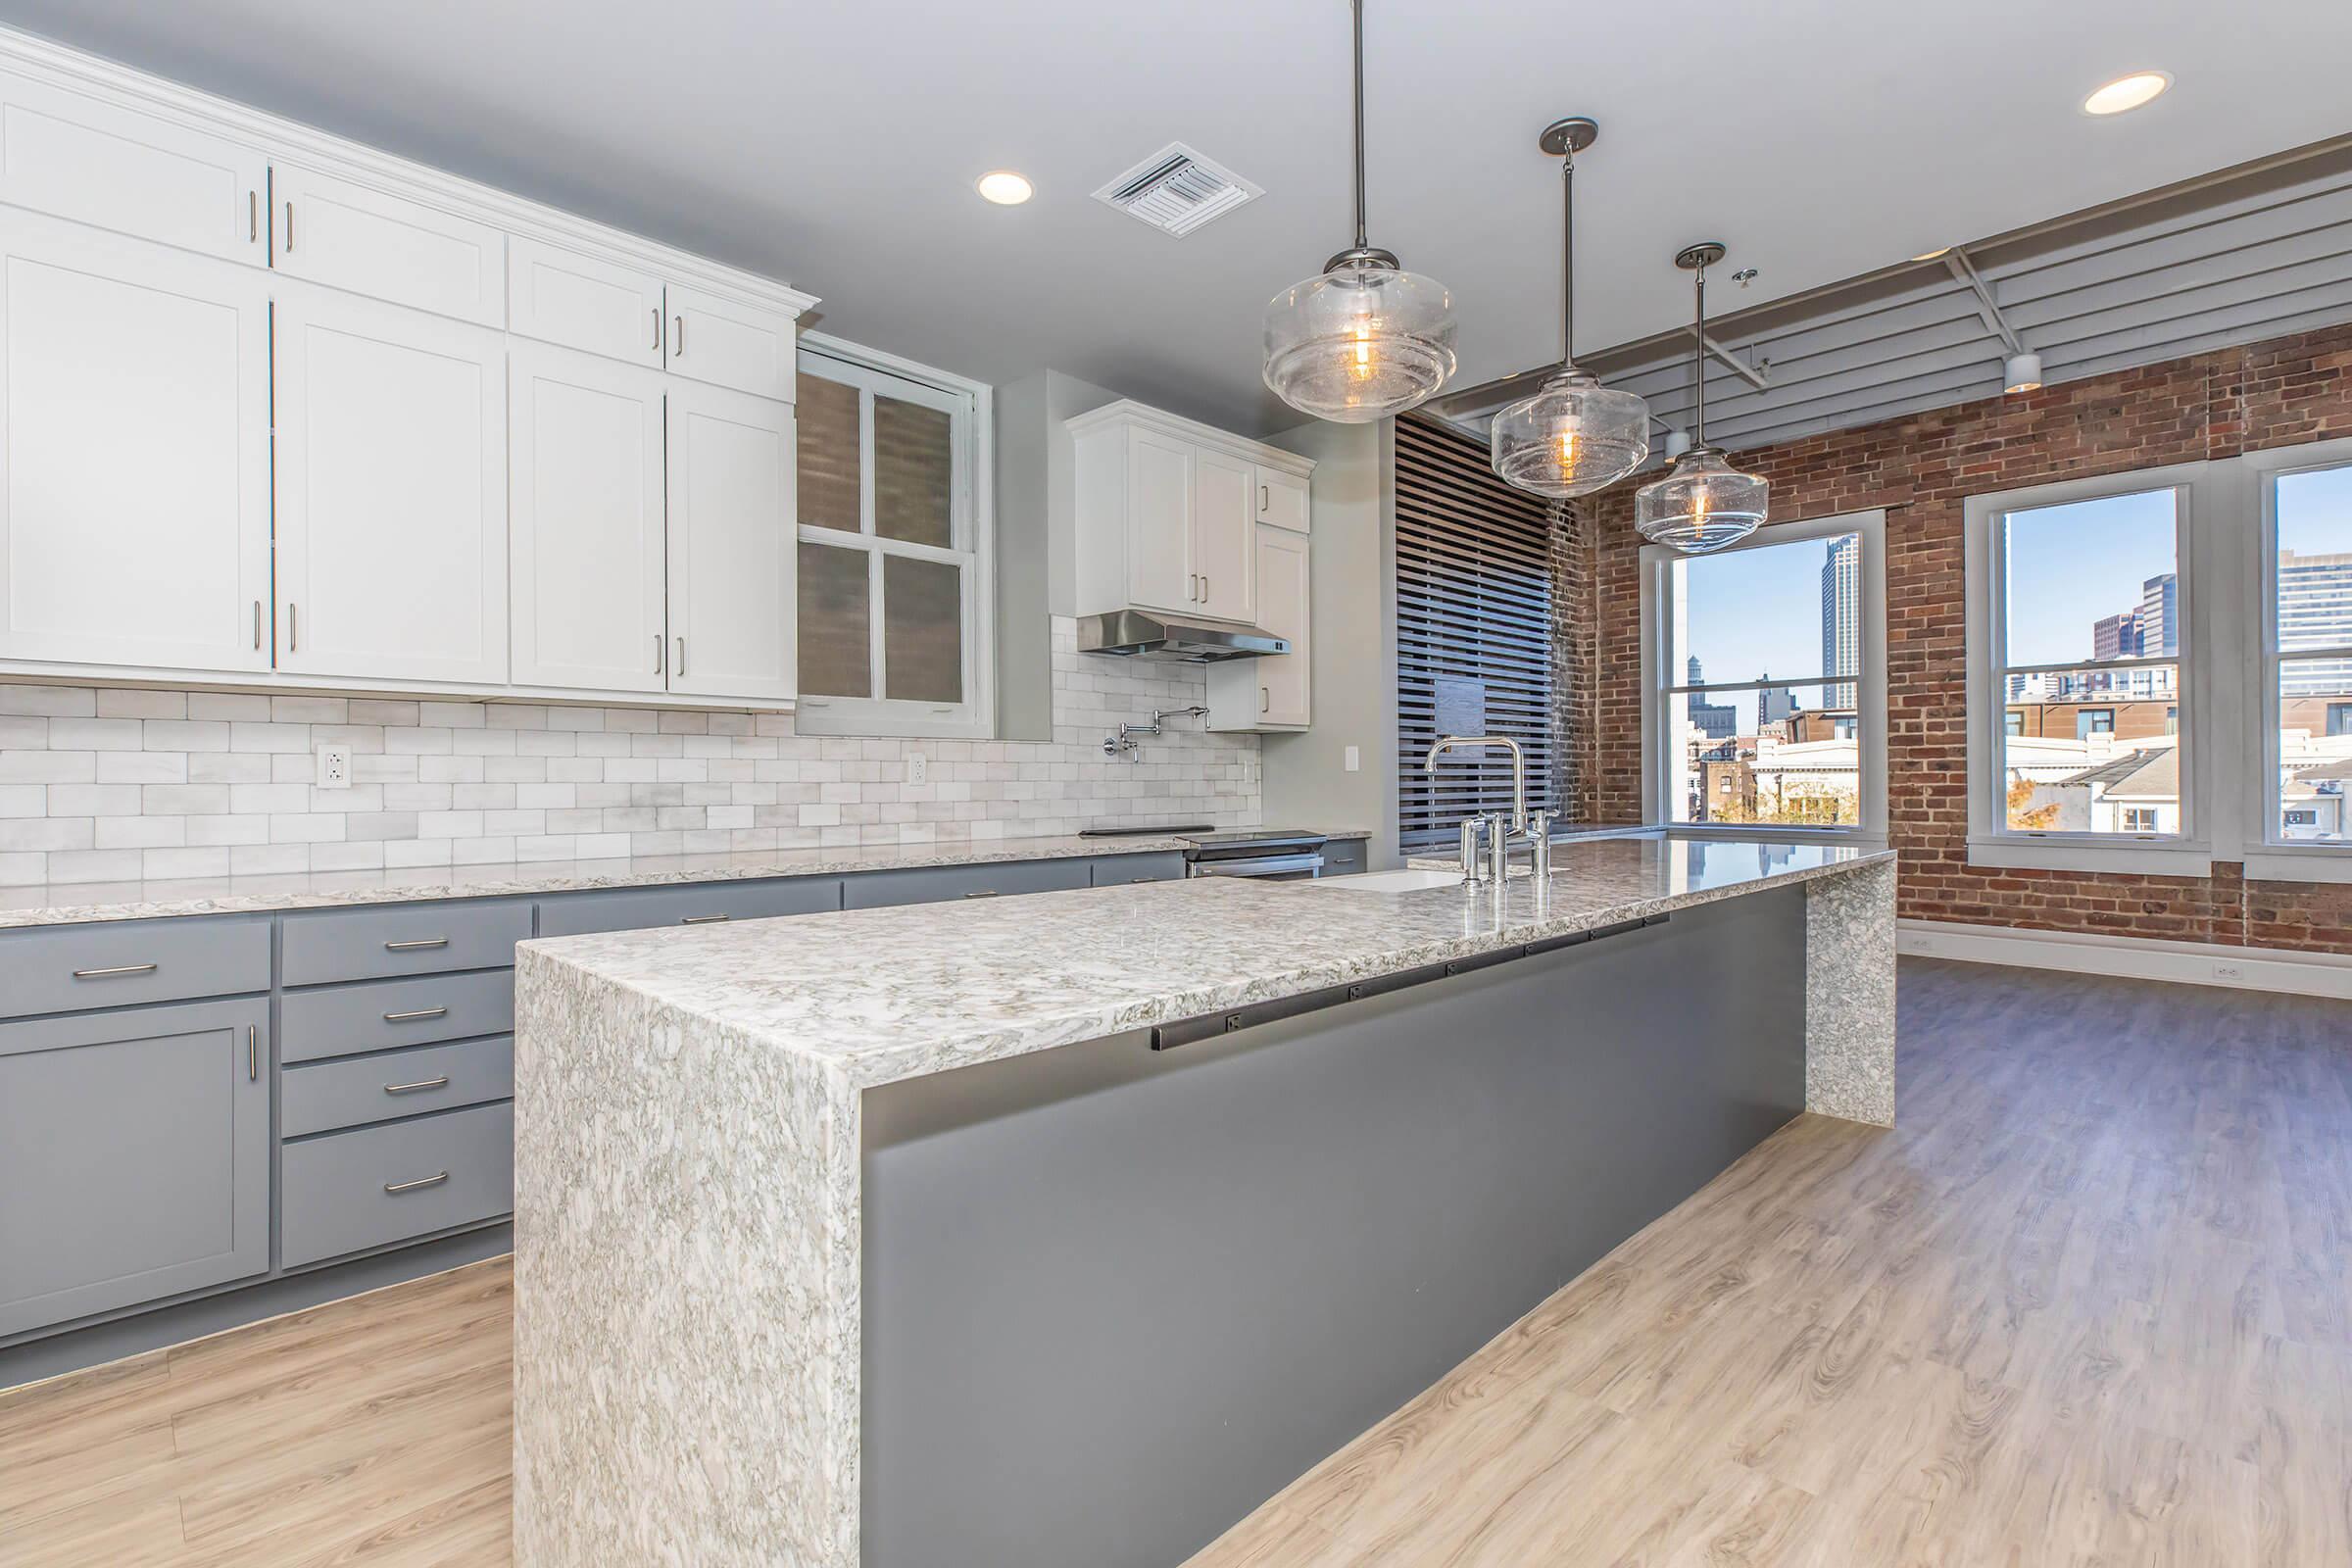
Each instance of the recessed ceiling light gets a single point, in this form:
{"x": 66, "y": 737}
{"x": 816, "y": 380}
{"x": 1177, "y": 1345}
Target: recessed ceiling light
{"x": 1005, "y": 187}
{"x": 2126, "y": 92}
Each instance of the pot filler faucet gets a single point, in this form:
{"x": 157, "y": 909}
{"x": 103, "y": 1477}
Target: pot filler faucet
{"x": 1534, "y": 827}
{"x": 1124, "y": 740}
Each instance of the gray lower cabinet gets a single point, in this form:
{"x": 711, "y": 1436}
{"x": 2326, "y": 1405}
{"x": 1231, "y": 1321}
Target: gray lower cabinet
{"x": 642, "y": 908}
{"x": 348, "y": 1191}
{"x": 935, "y": 884}
{"x": 1342, "y": 857}
{"x": 321, "y": 1096}
{"x": 402, "y": 940}
{"x": 76, "y": 969}
{"x": 380, "y": 1014}
{"x": 134, "y": 1157}
{"x": 1155, "y": 866}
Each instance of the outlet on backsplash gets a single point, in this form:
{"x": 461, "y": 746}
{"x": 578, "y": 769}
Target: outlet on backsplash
{"x": 918, "y": 768}
{"x": 335, "y": 767}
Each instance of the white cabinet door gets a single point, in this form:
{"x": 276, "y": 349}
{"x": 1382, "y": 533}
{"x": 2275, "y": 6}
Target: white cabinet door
{"x": 581, "y": 301}
{"x": 741, "y": 346}
{"x": 134, "y": 503}
{"x": 354, "y": 238}
{"x": 1284, "y": 686}
{"x": 1282, "y": 500}
{"x": 732, "y": 550}
{"x": 585, "y": 441}
{"x": 1224, "y": 552}
{"x": 65, "y": 152}
{"x": 391, "y": 492}
{"x": 1159, "y": 524}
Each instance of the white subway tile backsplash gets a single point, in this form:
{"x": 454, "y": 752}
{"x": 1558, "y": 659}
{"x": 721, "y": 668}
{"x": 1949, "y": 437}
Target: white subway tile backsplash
{"x": 116, "y": 785}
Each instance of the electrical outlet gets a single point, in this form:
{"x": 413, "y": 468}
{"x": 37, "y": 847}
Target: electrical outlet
{"x": 335, "y": 767}
{"x": 918, "y": 767}
{"x": 1355, "y": 759}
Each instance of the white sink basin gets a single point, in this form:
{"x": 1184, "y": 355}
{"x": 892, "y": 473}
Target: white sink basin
{"x": 1410, "y": 880}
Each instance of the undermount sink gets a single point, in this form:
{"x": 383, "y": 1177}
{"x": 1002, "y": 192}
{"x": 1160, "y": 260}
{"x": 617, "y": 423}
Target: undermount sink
{"x": 1412, "y": 880}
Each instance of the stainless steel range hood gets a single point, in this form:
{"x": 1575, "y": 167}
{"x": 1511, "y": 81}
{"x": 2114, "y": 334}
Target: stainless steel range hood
{"x": 1140, "y": 635}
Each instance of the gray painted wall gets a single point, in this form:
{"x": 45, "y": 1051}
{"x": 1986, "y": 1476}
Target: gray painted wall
{"x": 1353, "y": 578}
{"x": 1037, "y": 533}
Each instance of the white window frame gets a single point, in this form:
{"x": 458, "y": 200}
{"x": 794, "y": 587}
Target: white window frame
{"x": 968, "y": 405}
{"x": 1870, "y": 683}
{"x": 2268, "y": 857}
{"x": 1992, "y": 841}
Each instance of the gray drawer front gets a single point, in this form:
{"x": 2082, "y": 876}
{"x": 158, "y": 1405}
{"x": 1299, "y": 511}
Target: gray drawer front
{"x": 411, "y": 939}
{"x": 1119, "y": 870}
{"x": 641, "y": 908}
{"x": 334, "y": 1187}
{"x": 1342, "y": 857}
{"x": 873, "y": 890}
{"x": 341, "y": 1020}
{"x": 71, "y": 967}
{"x": 328, "y": 1095}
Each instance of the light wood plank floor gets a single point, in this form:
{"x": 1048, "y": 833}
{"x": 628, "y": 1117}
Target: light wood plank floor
{"x": 2091, "y": 1304}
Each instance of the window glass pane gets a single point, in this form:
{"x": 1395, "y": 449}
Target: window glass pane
{"x": 2092, "y": 751}
{"x": 2092, "y": 579}
{"x": 826, "y": 420}
{"x": 836, "y": 657}
{"x": 922, "y": 630}
{"x": 2315, "y": 559}
{"x": 1794, "y": 610}
{"x": 2315, "y": 750}
{"x": 1786, "y": 755}
{"x": 914, "y": 473}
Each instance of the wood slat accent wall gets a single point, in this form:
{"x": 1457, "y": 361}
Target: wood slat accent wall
{"x": 1478, "y": 590}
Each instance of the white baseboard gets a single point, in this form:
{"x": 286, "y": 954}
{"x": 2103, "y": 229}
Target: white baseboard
{"x": 2200, "y": 963}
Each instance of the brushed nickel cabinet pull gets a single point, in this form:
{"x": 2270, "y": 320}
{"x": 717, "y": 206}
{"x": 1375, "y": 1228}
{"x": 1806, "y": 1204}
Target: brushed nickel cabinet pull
{"x": 681, "y": 655}
{"x": 256, "y": 624}
{"x": 116, "y": 972}
{"x": 677, "y": 337}
{"x": 289, "y": 229}
{"x": 253, "y": 215}
{"x": 441, "y": 1082}
{"x": 434, "y": 1180}
{"x": 1262, "y": 501}
{"x": 293, "y": 637}
{"x": 418, "y": 1012}
{"x": 1205, "y": 587}
{"x": 253, "y": 1054}
{"x": 656, "y": 344}
{"x": 657, "y": 652}
{"x": 705, "y": 920}
{"x": 982, "y": 893}
{"x": 416, "y": 945}
{"x": 1265, "y": 699}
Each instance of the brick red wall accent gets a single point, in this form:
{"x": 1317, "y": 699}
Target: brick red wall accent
{"x": 1922, "y": 468}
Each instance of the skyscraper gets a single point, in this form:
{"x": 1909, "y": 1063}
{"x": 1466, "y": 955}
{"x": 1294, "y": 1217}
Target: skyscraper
{"x": 1715, "y": 720}
{"x": 2116, "y": 636}
{"x": 2160, "y": 617}
{"x": 1841, "y": 617}
{"x": 2315, "y": 611}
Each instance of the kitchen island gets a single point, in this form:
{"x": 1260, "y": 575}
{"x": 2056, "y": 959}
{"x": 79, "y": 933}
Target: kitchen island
{"x": 1065, "y": 1228}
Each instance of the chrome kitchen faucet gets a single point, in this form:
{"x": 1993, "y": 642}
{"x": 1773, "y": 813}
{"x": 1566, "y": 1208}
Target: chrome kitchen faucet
{"x": 1532, "y": 826}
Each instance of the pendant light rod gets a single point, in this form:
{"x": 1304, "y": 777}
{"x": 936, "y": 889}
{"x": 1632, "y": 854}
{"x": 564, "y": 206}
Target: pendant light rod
{"x": 1695, "y": 260}
{"x": 1362, "y": 238}
{"x": 1564, "y": 139}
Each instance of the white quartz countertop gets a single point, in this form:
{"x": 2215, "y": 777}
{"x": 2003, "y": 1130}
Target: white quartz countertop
{"x": 876, "y": 996}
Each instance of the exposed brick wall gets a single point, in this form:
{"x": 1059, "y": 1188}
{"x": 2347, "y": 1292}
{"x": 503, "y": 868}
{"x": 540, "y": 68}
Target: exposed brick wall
{"x": 1922, "y": 469}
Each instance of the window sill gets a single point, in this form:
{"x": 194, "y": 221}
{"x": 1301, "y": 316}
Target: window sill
{"x": 2135, "y": 858}
{"x": 1850, "y": 837}
{"x": 2279, "y": 863}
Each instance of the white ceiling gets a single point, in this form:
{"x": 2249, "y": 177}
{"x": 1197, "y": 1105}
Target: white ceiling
{"x": 834, "y": 144}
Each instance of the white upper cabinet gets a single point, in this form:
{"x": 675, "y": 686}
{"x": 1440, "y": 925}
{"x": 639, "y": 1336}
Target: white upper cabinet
{"x": 732, "y": 548}
{"x": 352, "y": 237}
{"x": 391, "y": 492}
{"x": 584, "y": 301}
{"x": 1168, "y": 513}
{"x": 1224, "y": 560}
{"x": 1272, "y": 690}
{"x": 585, "y": 439}
{"x": 1282, "y": 500}
{"x": 728, "y": 343}
{"x": 78, "y": 157}
{"x": 134, "y": 397}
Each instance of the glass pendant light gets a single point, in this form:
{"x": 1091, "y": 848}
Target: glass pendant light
{"x": 1363, "y": 338}
{"x": 1572, "y": 435}
{"x": 1702, "y": 503}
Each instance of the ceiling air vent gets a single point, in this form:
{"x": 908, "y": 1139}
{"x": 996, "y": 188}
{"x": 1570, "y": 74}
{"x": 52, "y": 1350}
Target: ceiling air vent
{"x": 1176, "y": 190}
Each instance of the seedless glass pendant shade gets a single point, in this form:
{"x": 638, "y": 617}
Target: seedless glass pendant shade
{"x": 1572, "y": 435}
{"x": 1363, "y": 338}
{"x": 1702, "y": 503}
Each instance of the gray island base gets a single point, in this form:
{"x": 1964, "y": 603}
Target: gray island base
{"x": 1065, "y": 1230}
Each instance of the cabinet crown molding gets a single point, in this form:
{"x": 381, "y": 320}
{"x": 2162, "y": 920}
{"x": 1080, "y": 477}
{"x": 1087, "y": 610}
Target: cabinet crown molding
{"x": 1129, "y": 412}
{"x": 276, "y": 136}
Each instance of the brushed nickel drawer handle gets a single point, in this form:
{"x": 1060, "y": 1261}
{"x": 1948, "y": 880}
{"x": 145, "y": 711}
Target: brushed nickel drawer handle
{"x": 253, "y": 1054}
{"x": 289, "y": 229}
{"x": 982, "y": 893}
{"x": 417, "y": 946}
{"x": 657, "y": 329}
{"x": 434, "y": 1180}
{"x": 705, "y": 920}
{"x": 441, "y": 1082}
{"x": 419, "y": 1012}
{"x": 678, "y": 341}
{"x": 253, "y": 217}
{"x": 113, "y": 973}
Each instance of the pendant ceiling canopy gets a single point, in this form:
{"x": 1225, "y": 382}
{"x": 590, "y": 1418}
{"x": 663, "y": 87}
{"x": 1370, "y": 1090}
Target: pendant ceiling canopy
{"x": 1702, "y": 503}
{"x": 1363, "y": 338}
{"x": 1571, "y": 436}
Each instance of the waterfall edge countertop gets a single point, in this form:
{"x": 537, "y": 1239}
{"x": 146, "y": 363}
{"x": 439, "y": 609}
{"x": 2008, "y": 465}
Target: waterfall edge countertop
{"x": 966, "y": 983}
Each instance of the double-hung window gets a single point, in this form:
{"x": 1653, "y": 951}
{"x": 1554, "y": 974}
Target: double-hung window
{"x": 1764, "y": 696}
{"x": 2080, "y": 655}
{"x": 2306, "y": 649}
{"x": 894, "y": 533}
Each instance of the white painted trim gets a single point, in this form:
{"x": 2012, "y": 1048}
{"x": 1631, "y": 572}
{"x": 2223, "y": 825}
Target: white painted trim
{"x": 2200, "y": 963}
{"x": 1203, "y": 435}
{"x": 276, "y": 137}
{"x": 2270, "y": 858}
{"x": 288, "y": 683}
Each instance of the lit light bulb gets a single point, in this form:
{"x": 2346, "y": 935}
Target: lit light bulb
{"x": 1699, "y": 508}
{"x": 1362, "y": 367}
{"x": 1568, "y": 453}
